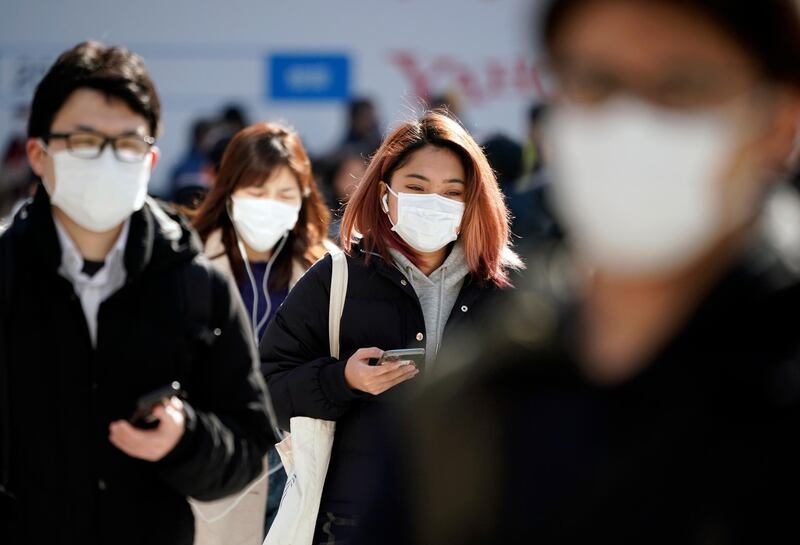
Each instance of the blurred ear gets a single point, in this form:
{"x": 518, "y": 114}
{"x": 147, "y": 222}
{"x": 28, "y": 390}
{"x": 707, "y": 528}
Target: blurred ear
{"x": 36, "y": 155}
{"x": 781, "y": 137}
{"x": 156, "y": 155}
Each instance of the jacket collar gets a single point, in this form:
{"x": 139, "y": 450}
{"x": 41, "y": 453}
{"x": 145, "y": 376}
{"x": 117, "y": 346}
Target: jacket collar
{"x": 215, "y": 251}
{"x": 451, "y": 272}
{"x": 391, "y": 271}
{"x": 156, "y": 238}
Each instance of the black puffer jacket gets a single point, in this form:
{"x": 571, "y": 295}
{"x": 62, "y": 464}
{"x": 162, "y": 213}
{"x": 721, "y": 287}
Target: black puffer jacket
{"x": 382, "y": 310}
{"x": 71, "y": 484}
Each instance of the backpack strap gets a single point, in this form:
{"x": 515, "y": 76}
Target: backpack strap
{"x": 337, "y": 298}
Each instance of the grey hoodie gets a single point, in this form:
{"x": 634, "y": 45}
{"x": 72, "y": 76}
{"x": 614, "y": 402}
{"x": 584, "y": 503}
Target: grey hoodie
{"x": 437, "y": 293}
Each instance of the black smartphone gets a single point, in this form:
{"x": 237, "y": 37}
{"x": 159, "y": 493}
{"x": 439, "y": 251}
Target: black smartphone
{"x": 406, "y": 356}
{"x": 143, "y": 415}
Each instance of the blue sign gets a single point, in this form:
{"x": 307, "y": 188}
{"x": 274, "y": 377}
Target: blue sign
{"x": 309, "y": 77}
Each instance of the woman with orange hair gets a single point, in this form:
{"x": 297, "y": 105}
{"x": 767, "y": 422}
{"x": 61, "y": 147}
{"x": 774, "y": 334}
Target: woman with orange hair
{"x": 427, "y": 238}
{"x": 265, "y": 224}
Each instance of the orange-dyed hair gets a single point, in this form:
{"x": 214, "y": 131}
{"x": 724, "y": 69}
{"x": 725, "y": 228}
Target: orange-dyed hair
{"x": 485, "y": 226}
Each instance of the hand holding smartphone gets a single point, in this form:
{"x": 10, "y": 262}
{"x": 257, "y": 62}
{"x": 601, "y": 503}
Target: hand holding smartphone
{"x": 405, "y": 356}
{"x": 143, "y": 416}
{"x": 373, "y": 371}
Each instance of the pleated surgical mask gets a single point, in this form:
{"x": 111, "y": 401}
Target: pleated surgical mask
{"x": 426, "y": 222}
{"x": 263, "y": 222}
{"x": 640, "y": 187}
{"x": 99, "y": 194}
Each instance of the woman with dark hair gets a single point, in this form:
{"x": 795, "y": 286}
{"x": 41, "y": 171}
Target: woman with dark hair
{"x": 662, "y": 404}
{"x": 427, "y": 238}
{"x": 264, "y": 223}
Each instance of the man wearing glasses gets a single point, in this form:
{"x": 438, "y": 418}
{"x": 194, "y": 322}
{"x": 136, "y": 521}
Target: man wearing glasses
{"x": 104, "y": 299}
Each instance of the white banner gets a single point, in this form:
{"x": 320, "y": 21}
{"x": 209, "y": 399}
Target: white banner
{"x": 292, "y": 60}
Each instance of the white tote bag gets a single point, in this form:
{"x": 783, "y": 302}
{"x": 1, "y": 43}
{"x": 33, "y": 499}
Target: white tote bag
{"x": 234, "y": 520}
{"x": 306, "y": 451}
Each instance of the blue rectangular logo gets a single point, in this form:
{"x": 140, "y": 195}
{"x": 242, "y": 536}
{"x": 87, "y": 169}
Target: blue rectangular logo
{"x": 309, "y": 77}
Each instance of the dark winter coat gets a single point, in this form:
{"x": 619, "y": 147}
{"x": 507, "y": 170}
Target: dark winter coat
{"x": 381, "y": 310}
{"x": 175, "y": 318}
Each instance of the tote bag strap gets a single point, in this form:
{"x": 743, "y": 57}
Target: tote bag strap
{"x": 338, "y": 295}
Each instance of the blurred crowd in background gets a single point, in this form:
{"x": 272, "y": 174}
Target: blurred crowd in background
{"x": 520, "y": 166}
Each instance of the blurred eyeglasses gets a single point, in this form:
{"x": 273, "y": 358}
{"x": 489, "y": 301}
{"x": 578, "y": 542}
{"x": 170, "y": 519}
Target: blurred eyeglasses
{"x": 685, "y": 87}
{"x": 90, "y": 145}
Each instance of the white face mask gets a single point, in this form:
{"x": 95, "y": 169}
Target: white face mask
{"x": 99, "y": 194}
{"x": 427, "y": 222}
{"x": 639, "y": 187}
{"x": 262, "y": 222}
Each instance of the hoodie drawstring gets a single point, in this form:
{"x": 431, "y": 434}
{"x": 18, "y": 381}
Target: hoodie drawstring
{"x": 439, "y": 312}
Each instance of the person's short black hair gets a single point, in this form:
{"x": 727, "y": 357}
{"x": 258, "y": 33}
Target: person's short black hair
{"x": 199, "y": 131}
{"x": 536, "y": 112}
{"x": 358, "y": 106}
{"x": 505, "y": 157}
{"x": 233, "y": 113}
{"x": 114, "y": 71}
{"x": 768, "y": 29}
{"x": 216, "y": 152}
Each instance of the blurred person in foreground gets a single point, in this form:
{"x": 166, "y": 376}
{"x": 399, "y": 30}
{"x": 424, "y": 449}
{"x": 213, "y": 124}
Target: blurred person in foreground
{"x": 661, "y": 404}
{"x": 105, "y": 297}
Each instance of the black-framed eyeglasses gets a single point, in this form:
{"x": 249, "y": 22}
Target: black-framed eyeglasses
{"x": 90, "y": 145}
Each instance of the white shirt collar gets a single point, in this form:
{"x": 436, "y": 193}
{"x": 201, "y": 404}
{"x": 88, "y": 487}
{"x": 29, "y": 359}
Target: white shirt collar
{"x": 72, "y": 260}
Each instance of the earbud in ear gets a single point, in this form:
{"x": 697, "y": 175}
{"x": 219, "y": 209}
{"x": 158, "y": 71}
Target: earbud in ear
{"x": 385, "y": 202}
{"x": 306, "y": 192}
